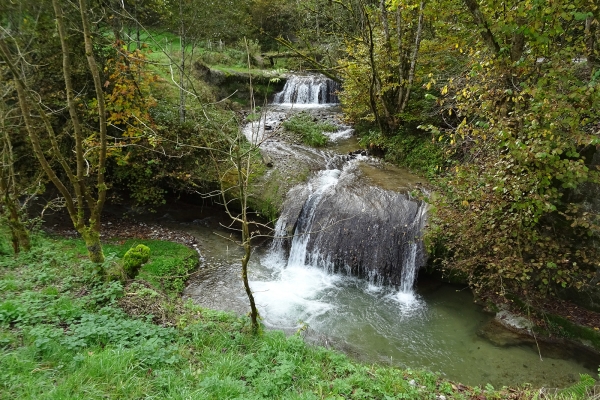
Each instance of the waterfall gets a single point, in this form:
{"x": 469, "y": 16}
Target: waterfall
{"x": 308, "y": 90}
{"x": 341, "y": 224}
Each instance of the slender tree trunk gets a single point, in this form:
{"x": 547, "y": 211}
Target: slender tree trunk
{"x": 183, "y": 42}
{"x": 374, "y": 84}
{"x": 19, "y": 235}
{"x": 96, "y": 212}
{"x": 518, "y": 43}
{"x": 591, "y": 43}
{"x": 243, "y": 186}
{"x": 401, "y": 52}
{"x": 245, "y": 260}
{"x": 137, "y": 29}
{"x": 9, "y": 200}
{"x": 386, "y": 27}
{"x": 413, "y": 58}
{"x": 480, "y": 21}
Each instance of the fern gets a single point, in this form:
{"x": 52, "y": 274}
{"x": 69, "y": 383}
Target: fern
{"x": 580, "y": 389}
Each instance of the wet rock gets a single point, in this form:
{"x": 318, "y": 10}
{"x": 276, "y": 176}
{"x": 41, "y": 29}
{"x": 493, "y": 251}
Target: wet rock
{"x": 501, "y": 336}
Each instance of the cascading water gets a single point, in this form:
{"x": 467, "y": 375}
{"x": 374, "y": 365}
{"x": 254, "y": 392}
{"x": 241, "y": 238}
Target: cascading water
{"x": 308, "y": 90}
{"x": 341, "y": 224}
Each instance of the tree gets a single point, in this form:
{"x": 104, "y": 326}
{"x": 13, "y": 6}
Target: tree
{"x": 234, "y": 165}
{"x": 84, "y": 201}
{"x": 525, "y": 131}
{"x": 10, "y": 185}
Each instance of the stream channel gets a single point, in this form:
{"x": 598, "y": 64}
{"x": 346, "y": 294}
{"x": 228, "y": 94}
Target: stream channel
{"x": 345, "y": 265}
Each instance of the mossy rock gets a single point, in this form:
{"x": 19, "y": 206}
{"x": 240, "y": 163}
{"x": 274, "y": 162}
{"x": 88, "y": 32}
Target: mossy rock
{"x": 134, "y": 259}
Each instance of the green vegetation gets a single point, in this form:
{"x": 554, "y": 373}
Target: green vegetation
{"x": 413, "y": 151}
{"x": 168, "y": 266}
{"x": 65, "y": 333}
{"x": 134, "y": 258}
{"x": 309, "y": 129}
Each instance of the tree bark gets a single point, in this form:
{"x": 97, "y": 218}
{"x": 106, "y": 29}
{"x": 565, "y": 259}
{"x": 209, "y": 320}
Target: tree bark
{"x": 591, "y": 43}
{"x": 94, "y": 221}
{"x": 8, "y": 190}
{"x": 242, "y": 187}
{"x": 91, "y": 238}
{"x": 183, "y": 44}
{"x": 485, "y": 31}
{"x": 413, "y": 58}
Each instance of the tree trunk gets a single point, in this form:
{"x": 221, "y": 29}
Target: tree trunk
{"x": 8, "y": 191}
{"x": 91, "y": 237}
{"x": 480, "y": 21}
{"x": 242, "y": 186}
{"x": 591, "y": 33}
{"x": 183, "y": 43}
{"x": 413, "y": 58}
{"x": 19, "y": 234}
{"x": 245, "y": 260}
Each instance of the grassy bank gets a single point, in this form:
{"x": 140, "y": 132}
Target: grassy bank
{"x": 64, "y": 333}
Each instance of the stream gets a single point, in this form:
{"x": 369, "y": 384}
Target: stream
{"x": 344, "y": 267}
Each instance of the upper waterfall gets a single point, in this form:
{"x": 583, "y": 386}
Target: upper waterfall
{"x": 308, "y": 90}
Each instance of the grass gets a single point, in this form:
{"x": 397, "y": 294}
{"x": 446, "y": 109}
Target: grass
{"x": 309, "y": 130}
{"x": 63, "y": 334}
{"x": 168, "y": 268}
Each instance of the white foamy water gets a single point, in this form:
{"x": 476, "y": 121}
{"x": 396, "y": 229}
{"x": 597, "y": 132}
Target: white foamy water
{"x": 308, "y": 90}
{"x": 294, "y": 296}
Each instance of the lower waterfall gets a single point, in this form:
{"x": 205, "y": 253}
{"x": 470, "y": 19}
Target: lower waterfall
{"x": 341, "y": 224}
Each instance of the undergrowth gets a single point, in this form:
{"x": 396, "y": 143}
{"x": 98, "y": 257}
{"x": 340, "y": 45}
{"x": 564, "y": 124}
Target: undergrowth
{"x": 64, "y": 334}
{"x": 413, "y": 151}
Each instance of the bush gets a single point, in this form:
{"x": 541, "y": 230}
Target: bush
{"x": 134, "y": 259}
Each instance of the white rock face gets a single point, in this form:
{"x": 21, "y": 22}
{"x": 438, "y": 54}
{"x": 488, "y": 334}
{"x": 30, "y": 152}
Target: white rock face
{"x": 514, "y": 321}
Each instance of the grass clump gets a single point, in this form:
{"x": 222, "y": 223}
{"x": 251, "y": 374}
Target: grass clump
{"x": 310, "y": 130}
{"x": 67, "y": 333}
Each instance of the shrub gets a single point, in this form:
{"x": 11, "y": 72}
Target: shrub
{"x": 134, "y": 259}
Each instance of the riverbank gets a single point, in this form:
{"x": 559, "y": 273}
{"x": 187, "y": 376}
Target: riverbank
{"x": 66, "y": 334}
